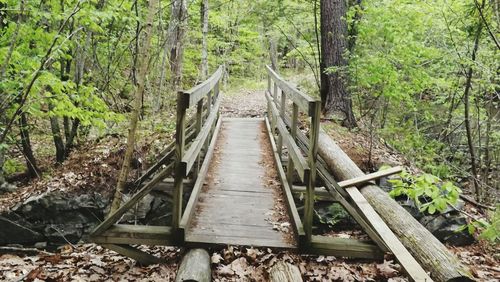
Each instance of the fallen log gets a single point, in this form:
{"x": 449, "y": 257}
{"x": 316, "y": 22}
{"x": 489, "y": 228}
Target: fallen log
{"x": 284, "y": 272}
{"x": 427, "y": 250}
{"x": 195, "y": 266}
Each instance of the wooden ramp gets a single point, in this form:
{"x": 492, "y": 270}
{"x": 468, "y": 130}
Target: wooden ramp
{"x": 235, "y": 205}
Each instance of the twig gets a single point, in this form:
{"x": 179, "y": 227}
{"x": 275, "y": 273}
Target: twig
{"x": 474, "y": 202}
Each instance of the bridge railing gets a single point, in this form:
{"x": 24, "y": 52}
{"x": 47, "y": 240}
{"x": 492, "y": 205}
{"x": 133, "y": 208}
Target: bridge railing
{"x": 205, "y": 96}
{"x": 284, "y": 123}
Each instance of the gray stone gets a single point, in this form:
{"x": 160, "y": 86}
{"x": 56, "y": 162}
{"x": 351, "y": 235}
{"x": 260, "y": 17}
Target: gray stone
{"x": 55, "y": 217}
{"x": 12, "y": 232}
{"x": 445, "y": 226}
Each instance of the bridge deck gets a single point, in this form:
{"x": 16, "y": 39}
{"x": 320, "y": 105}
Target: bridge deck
{"x": 236, "y": 204}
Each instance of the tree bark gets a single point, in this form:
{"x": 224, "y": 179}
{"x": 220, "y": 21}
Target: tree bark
{"x": 467, "y": 123}
{"x": 285, "y": 272}
{"x": 179, "y": 20}
{"x": 427, "y": 250}
{"x": 335, "y": 100}
{"x": 143, "y": 62}
{"x": 204, "y": 39}
{"x": 195, "y": 266}
{"x": 31, "y": 165}
{"x": 56, "y": 136}
{"x": 273, "y": 52}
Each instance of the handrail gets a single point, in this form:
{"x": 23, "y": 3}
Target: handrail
{"x": 305, "y": 102}
{"x": 205, "y": 96}
{"x": 195, "y": 94}
{"x": 277, "y": 93}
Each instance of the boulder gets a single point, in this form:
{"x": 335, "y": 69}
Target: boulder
{"x": 12, "y": 232}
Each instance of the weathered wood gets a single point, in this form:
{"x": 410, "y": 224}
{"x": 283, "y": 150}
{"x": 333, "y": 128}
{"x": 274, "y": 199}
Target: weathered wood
{"x": 285, "y": 272}
{"x": 428, "y": 251}
{"x": 293, "y": 132}
{"x": 131, "y": 252}
{"x": 195, "y": 266}
{"x": 180, "y": 169}
{"x": 344, "y": 247}
{"x": 292, "y": 208}
{"x": 311, "y": 180}
{"x": 236, "y": 206}
{"x": 369, "y": 177}
{"x": 115, "y": 216}
{"x": 135, "y": 234}
{"x": 192, "y": 96}
{"x": 304, "y": 102}
{"x": 191, "y": 155}
{"x": 301, "y": 164}
{"x": 193, "y": 199}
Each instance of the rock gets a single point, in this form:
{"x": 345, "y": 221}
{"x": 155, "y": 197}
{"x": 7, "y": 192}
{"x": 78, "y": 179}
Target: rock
{"x": 139, "y": 212}
{"x": 445, "y": 226}
{"x": 54, "y": 217}
{"x": 7, "y": 187}
{"x": 17, "y": 233}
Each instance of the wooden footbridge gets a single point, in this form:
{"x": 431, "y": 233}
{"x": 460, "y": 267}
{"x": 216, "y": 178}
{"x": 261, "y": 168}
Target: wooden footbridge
{"x": 221, "y": 183}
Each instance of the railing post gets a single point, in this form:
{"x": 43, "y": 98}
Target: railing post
{"x": 282, "y": 113}
{"x": 290, "y": 169}
{"x": 180, "y": 136}
{"x": 199, "y": 122}
{"x": 312, "y": 156}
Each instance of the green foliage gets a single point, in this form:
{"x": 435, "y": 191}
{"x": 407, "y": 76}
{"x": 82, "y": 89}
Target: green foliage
{"x": 437, "y": 195}
{"x": 13, "y": 166}
{"x": 489, "y": 231}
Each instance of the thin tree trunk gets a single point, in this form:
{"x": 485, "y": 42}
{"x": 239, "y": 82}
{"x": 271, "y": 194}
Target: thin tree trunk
{"x": 467, "y": 122}
{"x": 335, "y": 100}
{"x": 143, "y": 61}
{"x": 179, "y": 15}
{"x": 273, "y": 53}
{"x": 31, "y": 165}
{"x": 204, "y": 40}
{"x": 56, "y": 136}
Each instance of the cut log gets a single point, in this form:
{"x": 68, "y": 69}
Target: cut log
{"x": 284, "y": 272}
{"x": 427, "y": 250}
{"x": 195, "y": 266}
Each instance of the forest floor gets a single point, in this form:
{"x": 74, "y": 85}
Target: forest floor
{"x": 95, "y": 166}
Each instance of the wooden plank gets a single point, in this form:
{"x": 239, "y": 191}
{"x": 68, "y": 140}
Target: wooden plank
{"x": 292, "y": 208}
{"x": 180, "y": 169}
{"x": 311, "y": 180}
{"x": 194, "y": 150}
{"x": 395, "y": 246}
{"x": 135, "y": 234}
{"x": 210, "y": 240}
{"x": 304, "y": 102}
{"x": 301, "y": 165}
{"x": 131, "y": 252}
{"x": 236, "y": 206}
{"x": 195, "y": 94}
{"x": 293, "y": 131}
{"x": 369, "y": 177}
{"x": 114, "y": 217}
{"x": 193, "y": 199}
{"x": 343, "y": 247}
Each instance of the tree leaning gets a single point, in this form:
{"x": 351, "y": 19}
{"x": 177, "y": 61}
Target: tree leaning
{"x": 143, "y": 61}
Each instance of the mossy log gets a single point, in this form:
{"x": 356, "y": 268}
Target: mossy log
{"x": 432, "y": 255}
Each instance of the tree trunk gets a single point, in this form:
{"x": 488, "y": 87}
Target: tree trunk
{"x": 56, "y": 136}
{"x": 335, "y": 100}
{"x": 467, "y": 123}
{"x": 273, "y": 53}
{"x": 204, "y": 40}
{"x": 195, "y": 266}
{"x": 143, "y": 60}
{"x": 285, "y": 272}
{"x": 427, "y": 250}
{"x": 179, "y": 19}
{"x": 31, "y": 165}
